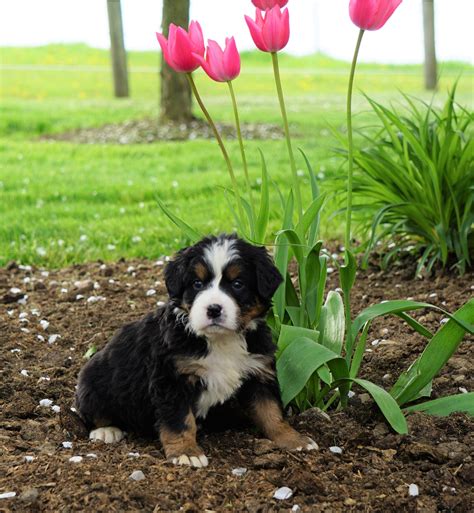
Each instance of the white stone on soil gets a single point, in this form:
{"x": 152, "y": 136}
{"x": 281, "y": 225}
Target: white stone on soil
{"x": 240, "y": 471}
{"x": 44, "y": 324}
{"x": 7, "y": 495}
{"x": 335, "y": 449}
{"x": 137, "y": 475}
{"x": 46, "y": 403}
{"x": 413, "y": 490}
{"x": 75, "y": 459}
{"x": 53, "y": 338}
{"x": 67, "y": 445}
{"x": 283, "y": 493}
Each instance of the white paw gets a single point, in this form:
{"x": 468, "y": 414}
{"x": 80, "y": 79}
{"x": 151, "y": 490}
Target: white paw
{"x": 310, "y": 446}
{"x": 193, "y": 461}
{"x": 109, "y": 434}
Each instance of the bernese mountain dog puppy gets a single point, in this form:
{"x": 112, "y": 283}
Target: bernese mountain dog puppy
{"x": 207, "y": 348}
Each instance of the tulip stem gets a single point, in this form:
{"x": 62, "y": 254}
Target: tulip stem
{"x": 276, "y": 71}
{"x": 351, "y": 142}
{"x": 242, "y": 149}
{"x": 221, "y": 146}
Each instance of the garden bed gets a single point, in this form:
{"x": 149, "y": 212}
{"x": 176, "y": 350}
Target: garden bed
{"x": 372, "y": 473}
{"x": 150, "y": 131}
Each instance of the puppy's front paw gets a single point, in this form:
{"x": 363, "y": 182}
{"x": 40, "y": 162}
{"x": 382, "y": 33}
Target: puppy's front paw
{"x": 198, "y": 461}
{"x": 296, "y": 442}
{"x": 109, "y": 434}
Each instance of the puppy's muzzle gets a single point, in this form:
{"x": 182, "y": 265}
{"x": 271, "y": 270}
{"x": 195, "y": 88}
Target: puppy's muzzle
{"x": 214, "y": 311}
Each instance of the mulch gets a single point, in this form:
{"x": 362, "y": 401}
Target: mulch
{"x": 372, "y": 472}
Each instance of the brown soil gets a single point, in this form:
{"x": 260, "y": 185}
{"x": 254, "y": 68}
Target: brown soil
{"x": 373, "y": 472}
{"x": 149, "y": 131}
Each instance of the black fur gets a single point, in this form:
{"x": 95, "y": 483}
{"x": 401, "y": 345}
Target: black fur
{"x": 134, "y": 383}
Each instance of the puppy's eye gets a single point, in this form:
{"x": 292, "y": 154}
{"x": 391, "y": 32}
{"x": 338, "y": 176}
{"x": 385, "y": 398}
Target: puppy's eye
{"x": 198, "y": 284}
{"x": 237, "y": 285}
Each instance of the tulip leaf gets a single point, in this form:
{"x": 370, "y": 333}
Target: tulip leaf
{"x": 189, "y": 232}
{"x": 444, "y": 406}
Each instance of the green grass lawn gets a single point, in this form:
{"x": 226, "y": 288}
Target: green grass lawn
{"x": 63, "y": 202}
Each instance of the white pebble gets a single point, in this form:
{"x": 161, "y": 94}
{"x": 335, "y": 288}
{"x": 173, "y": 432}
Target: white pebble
{"x": 29, "y": 459}
{"x": 40, "y": 337}
{"x": 75, "y": 459}
{"x": 7, "y": 495}
{"x": 46, "y": 403}
{"x": 137, "y": 475}
{"x": 151, "y": 292}
{"x": 67, "y": 445}
{"x": 44, "y": 378}
{"x": 335, "y": 449}
{"x": 160, "y": 303}
{"x": 27, "y": 279}
{"x": 91, "y": 455}
{"x": 44, "y": 324}
{"x": 23, "y": 300}
{"x": 433, "y": 295}
{"x": 375, "y": 342}
{"x": 24, "y": 372}
{"x": 413, "y": 490}
{"x": 63, "y": 291}
{"x": 15, "y": 290}
{"x": 130, "y": 269}
{"x": 56, "y": 408}
{"x": 45, "y": 274}
{"x": 10, "y": 312}
{"x": 295, "y": 508}
{"x": 95, "y": 299}
{"x": 134, "y": 454}
{"x": 15, "y": 350}
{"x": 79, "y": 297}
{"x": 23, "y": 315}
{"x": 159, "y": 262}
{"x": 240, "y": 471}
{"x": 462, "y": 390}
{"x": 25, "y": 330}
{"x": 35, "y": 312}
{"x": 52, "y": 338}
{"x": 350, "y": 394}
{"x": 330, "y": 270}
{"x": 283, "y": 493}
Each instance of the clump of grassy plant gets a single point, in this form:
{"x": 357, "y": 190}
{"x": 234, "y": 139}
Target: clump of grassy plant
{"x": 414, "y": 183}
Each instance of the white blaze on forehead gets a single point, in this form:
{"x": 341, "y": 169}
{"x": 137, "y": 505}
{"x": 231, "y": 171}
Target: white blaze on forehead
{"x": 219, "y": 254}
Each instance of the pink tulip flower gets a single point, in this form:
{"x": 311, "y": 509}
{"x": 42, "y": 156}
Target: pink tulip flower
{"x": 372, "y": 14}
{"x": 268, "y": 4}
{"x": 180, "y": 48}
{"x": 270, "y": 31}
{"x": 221, "y": 65}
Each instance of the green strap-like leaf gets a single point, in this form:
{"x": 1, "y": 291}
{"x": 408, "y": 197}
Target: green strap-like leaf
{"x": 387, "y": 405}
{"x": 297, "y": 363}
{"x": 189, "y": 232}
{"x": 446, "y": 405}
{"x": 332, "y": 335}
{"x": 438, "y": 351}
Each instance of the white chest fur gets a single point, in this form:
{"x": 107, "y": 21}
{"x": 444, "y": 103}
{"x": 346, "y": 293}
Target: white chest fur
{"x": 224, "y": 369}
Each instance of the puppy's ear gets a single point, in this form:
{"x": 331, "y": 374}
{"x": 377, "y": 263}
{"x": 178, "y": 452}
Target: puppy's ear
{"x": 175, "y": 272}
{"x": 268, "y": 276}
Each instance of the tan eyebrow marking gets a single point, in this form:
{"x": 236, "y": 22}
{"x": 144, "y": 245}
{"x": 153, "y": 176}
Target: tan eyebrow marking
{"x": 201, "y": 271}
{"x": 233, "y": 271}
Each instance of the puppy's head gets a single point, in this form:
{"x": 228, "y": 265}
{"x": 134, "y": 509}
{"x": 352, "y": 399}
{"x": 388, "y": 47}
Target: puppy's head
{"x": 223, "y": 283}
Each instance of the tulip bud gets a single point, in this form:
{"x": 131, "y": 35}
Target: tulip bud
{"x": 372, "y": 14}
{"x": 221, "y": 65}
{"x": 268, "y": 4}
{"x": 270, "y": 31}
{"x": 181, "y": 46}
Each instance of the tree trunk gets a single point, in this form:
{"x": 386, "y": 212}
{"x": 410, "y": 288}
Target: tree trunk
{"x": 117, "y": 48}
{"x": 175, "y": 103}
{"x": 431, "y": 74}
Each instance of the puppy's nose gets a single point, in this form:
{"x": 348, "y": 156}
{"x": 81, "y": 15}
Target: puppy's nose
{"x": 214, "y": 311}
